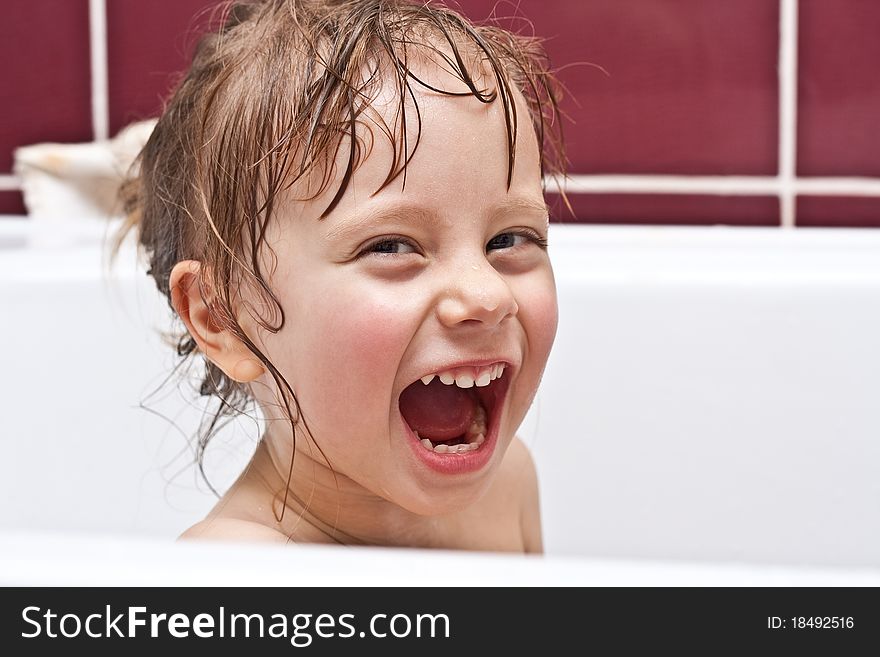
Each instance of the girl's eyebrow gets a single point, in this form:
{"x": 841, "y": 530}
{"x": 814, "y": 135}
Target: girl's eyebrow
{"x": 523, "y": 205}
{"x": 415, "y": 214}
{"x": 406, "y": 213}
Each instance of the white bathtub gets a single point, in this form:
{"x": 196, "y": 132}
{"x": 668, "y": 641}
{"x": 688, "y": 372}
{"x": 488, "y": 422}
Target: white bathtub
{"x": 712, "y": 397}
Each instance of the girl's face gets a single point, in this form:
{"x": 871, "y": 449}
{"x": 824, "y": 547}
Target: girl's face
{"x": 444, "y": 275}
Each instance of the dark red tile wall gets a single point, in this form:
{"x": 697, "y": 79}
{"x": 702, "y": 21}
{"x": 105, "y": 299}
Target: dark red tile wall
{"x": 11, "y": 203}
{"x": 691, "y": 89}
{"x": 691, "y": 85}
{"x": 839, "y": 88}
{"x": 45, "y": 92}
{"x": 672, "y": 209}
{"x": 147, "y": 46}
{"x": 838, "y": 212}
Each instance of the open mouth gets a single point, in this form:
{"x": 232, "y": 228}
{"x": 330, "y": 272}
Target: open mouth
{"x": 453, "y": 412}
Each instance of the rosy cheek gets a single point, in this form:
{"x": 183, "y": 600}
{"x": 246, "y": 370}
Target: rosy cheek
{"x": 354, "y": 349}
{"x": 539, "y": 314}
{"x": 370, "y": 332}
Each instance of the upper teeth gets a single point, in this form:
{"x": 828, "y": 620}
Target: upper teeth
{"x": 480, "y": 376}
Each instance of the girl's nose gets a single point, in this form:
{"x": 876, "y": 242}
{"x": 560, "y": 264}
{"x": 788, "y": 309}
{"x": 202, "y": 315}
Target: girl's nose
{"x": 476, "y": 293}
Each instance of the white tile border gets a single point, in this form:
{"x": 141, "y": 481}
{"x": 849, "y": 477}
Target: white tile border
{"x": 788, "y": 87}
{"x": 722, "y": 185}
{"x": 786, "y": 185}
{"x": 98, "y": 62}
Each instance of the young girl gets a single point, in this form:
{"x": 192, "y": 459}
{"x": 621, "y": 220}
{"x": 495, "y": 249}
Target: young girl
{"x": 343, "y": 203}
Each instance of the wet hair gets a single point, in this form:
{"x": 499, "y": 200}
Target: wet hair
{"x": 268, "y": 102}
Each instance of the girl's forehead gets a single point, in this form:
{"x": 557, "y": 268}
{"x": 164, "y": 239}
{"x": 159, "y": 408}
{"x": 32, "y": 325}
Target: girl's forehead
{"x": 462, "y": 150}
{"x": 405, "y": 135}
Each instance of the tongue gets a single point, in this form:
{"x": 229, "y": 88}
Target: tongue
{"x": 437, "y": 411}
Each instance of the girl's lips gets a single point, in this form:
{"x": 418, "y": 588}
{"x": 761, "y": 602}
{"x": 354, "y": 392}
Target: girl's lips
{"x": 469, "y": 461}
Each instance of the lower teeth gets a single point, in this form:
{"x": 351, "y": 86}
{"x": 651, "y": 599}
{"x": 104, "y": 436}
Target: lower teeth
{"x": 474, "y": 437}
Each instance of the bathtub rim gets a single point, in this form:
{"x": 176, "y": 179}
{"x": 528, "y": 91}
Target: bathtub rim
{"x": 44, "y": 558}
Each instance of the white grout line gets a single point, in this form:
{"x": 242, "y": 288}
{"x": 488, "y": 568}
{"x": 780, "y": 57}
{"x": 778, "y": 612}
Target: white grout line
{"x": 98, "y": 53}
{"x": 837, "y": 186}
{"x": 788, "y": 87}
{"x": 9, "y": 183}
{"x": 716, "y": 185}
{"x": 711, "y": 185}
{"x": 660, "y": 184}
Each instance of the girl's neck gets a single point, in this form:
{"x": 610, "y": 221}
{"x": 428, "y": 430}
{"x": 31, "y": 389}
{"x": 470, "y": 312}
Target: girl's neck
{"x": 311, "y": 504}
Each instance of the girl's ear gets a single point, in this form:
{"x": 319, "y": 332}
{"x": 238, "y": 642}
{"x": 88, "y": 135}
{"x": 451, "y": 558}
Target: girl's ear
{"x": 219, "y": 345}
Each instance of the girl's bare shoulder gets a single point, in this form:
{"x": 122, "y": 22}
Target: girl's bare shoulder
{"x": 233, "y": 529}
{"x": 517, "y": 472}
{"x": 519, "y": 481}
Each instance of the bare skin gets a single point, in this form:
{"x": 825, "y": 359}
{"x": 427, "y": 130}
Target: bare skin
{"x": 491, "y": 524}
{"x": 464, "y": 282}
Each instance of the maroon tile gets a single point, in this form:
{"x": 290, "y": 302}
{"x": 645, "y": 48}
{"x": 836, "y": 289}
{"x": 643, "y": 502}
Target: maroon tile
{"x": 691, "y": 88}
{"x": 147, "y": 47}
{"x": 838, "y": 211}
{"x": 45, "y": 76}
{"x": 11, "y": 202}
{"x": 838, "y": 90}
{"x": 675, "y": 209}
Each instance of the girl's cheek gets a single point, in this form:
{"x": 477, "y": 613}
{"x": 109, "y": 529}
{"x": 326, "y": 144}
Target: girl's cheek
{"x": 359, "y": 339}
{"x": 373, "y": 331}
{"x": 539, "y": 312}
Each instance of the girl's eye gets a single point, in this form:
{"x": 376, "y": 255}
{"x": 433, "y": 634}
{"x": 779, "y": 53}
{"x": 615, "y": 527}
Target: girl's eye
{"x": 389, "y": 246}
{"x": 515, "y": 238}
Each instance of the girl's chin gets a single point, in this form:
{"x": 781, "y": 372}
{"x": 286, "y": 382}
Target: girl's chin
{"x": 440, "y": 496}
